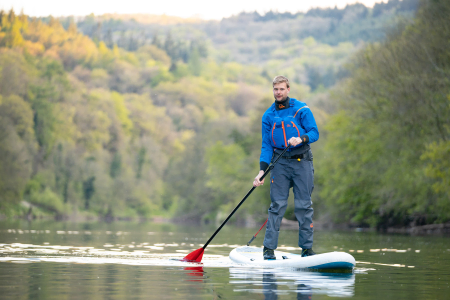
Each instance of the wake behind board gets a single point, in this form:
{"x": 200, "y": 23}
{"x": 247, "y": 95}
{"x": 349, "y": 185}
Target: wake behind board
{"x": 331, "y": 260}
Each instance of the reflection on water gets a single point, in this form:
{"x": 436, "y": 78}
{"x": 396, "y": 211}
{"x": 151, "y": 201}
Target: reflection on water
{"x": 195, "y": 271}
{"x": 277, "y": 282}
{"x": 29, "y": 253}
{"x": 270, "y": 288}
{"x": 51, "y": 260}
{"x": 272, "y": 283}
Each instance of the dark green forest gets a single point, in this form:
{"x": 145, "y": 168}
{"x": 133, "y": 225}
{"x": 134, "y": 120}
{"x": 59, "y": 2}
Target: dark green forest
{"x": 125, "y": 117}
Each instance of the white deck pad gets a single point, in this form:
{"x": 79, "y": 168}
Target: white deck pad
{"x": 331, "y": 260}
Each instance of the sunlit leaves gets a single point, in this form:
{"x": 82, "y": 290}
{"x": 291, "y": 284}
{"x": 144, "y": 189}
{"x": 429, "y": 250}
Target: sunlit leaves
{"x": 122, "y": 112}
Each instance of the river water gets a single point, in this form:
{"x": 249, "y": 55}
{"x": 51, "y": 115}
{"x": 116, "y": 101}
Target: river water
{"x": 125, "y": 260}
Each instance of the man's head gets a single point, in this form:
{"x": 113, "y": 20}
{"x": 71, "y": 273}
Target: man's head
{"x": 280, "y": 88}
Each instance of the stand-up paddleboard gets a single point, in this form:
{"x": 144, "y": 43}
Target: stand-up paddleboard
{"x": 331, "y": 260}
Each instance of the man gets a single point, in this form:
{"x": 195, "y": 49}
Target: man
{"x": 288, "y": 121}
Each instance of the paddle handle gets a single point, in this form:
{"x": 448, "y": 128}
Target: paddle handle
{"x": 246, "y": 196}
{"x": 254, "y": 237}
{"x": 251, "y": 240}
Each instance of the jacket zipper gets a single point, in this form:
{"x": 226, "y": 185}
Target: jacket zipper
{"x": 284, "y": 134}
{"x": 272, "y": 133}
{"x": 296, "y": 128}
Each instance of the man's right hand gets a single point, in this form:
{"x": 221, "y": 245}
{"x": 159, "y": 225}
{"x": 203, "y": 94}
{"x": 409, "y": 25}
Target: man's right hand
{"x": 257, "y": 182}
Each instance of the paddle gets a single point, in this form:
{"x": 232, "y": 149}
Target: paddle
{"x": 254, "y": 237}
{"x": 196, "y": 256}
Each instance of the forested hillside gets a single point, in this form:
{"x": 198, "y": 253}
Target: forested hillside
{"x": 118, "y": 118}
{"x": 88, "y": 130}
{"x": 386, "y": 160}
{"x": 308, "y": 47}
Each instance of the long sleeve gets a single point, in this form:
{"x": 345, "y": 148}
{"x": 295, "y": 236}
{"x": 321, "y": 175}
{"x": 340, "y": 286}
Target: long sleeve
{"x": 266, "y": 147}
{"x": 309, "y": 124}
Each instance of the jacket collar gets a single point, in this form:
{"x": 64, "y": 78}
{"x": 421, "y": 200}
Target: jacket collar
{"x": 285, "y": 103}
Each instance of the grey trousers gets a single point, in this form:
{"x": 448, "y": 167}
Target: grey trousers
{"x": 299, "y": 175}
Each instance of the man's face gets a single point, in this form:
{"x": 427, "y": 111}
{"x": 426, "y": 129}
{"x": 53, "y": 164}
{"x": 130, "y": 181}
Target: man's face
{"x": 280, "y": 91}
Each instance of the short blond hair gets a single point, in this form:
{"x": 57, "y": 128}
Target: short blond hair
{"x": 280, "y": 79}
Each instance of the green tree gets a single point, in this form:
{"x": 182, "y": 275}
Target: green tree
{"x": 392, "y": 107}
{"x": 16, "y": 149}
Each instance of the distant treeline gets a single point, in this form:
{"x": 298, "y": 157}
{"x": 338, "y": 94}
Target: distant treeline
{"x": 336, "y": 13}
{"x": 272, "y": 40}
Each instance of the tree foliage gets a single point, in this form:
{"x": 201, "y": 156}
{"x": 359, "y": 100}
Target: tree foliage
{"x": 92, "y": 130}
{"x": 309, "y": 47}
{"x": 121, "y": 119}
{"x": 384, "y": 159}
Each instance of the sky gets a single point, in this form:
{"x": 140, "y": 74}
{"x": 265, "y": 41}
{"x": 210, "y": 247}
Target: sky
{"x": 205, "y": 9}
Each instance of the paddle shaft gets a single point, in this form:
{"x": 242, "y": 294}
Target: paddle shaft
{"x": 254, "y": 237}
{"x": 246, "y": 196}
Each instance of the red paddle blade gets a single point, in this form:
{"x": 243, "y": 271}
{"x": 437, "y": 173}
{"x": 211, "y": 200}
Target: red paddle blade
{"x": 195, "y": 255}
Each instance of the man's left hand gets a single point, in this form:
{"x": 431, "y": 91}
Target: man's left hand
{"x": 295, "y": 141}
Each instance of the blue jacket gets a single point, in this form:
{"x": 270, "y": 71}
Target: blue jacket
{"x": 279, "y": 126}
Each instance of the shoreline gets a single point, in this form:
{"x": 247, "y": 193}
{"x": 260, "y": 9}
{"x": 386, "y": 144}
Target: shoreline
{"x": 429, "y": 229}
